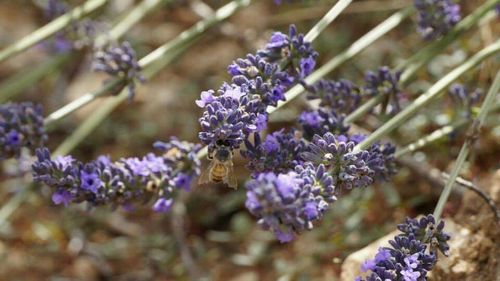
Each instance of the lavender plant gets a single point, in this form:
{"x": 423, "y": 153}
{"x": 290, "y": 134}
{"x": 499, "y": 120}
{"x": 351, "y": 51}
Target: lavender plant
{"x": 296, "y": 174}
{"x": 384, "y": 83}
{"x": 412, "y": 254}
{"x": 21, "y": 126}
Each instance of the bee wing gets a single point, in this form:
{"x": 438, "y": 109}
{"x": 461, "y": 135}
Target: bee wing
{"x": 230, "y": 179}
{"x": 205, "y": 175}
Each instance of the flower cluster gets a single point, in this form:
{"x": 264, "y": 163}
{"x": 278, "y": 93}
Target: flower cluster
{"x": 342, "y": 96}
{"x": 258, "y": 81}
{"x": 436, "y": 17}
{"x": 384, "y": 83}
{"x": 465, "y": 99}
{"x": 349, "y": 169}
{"x": 21, "y": 125}
{"x": 279, "y": 152}
{"x": 289, "y": 203}
{"x": 408, "y": 258}
{"x": 120, "y": 183}
{"x": 119, "y": 61}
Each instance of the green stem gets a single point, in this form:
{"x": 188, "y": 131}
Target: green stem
{"x": 432, "y": 137}
{"x": 28, "y": 77}
{"x": 464, "y": 151}
{"x": 51, "y": 28}
{"x": 419, "y": 59}
{"x": 131, "y": 19}
{"x": 152, "y": 63}
{"x": 326, "y": 20}
{"x": 429, "y": 95}
{"x": 436, "y": 135}
{"x": 9, "y": 208}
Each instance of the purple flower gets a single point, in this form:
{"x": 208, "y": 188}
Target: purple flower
{"x": 347, "y": 168}
{"x": 386, "y": 84}
{"x": 427, "y": 231}
{"x": 206, "y": 97}
{"x": 436, "y": 17}
{"x": 162, "y": 205}
{"x": 306, "y": 66}
{"x": 407, "y": 258}
{"x": 278, "y": 40}
{"x": 368, "y": 265}
{"x": 21, "y": 125}
{"x": 90, "y": 179}
{"x": 62, "y": 196}
{"x": 279, "y": 152}
{"x": 119, "y": 61}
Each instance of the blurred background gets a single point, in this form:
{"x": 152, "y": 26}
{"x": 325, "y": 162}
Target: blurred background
{"x": 210, "y": 232}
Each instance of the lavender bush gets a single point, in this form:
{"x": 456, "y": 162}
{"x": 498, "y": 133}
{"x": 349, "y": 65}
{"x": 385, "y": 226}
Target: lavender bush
{"x": 314, "y": 154}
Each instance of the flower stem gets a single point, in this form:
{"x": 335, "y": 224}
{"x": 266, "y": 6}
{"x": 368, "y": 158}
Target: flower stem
{"x": 326, "y": 20}
{"x": 51, "y": 28}
{"x": 464, "y": 151}
{"x": 436, "y": 135}
{"x": 162, "y": 56}
{"x": 419, "y": 59}
{"x": 20, "y": 81}
{"x": 131, "y": 19}
{"x": 429, "y": 95}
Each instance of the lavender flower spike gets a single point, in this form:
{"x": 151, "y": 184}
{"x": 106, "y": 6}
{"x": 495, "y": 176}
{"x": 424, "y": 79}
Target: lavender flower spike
{"x": 436, "y": 17}
{"x": 347, "y": 168}
{"x": 279, "y": 152}
{"x": 409, "y": 257}
{"x": 119, "y": 61}
{"x": 122, "y": 183}
{"x": 21, "y": 125}
{"x": 287, "y": 204}
{"x": 384, "y": 83}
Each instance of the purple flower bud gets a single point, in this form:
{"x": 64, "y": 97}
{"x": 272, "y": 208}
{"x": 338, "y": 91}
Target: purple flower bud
{"x": 21, "y": 125}
{"x": 407, "y": 258}
{"x": 436, "y": 17}
{"x": 386, "y": 84}
{"x": 119, "y": 61}
{"x": 162, "y": 205}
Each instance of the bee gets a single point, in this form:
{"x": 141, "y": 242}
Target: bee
{"x": 221, "y": 165}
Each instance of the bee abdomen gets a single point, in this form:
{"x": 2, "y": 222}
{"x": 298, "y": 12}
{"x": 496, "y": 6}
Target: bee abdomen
{"x": 218, "y": 173}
